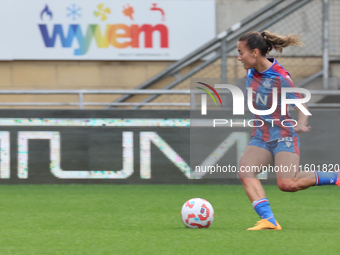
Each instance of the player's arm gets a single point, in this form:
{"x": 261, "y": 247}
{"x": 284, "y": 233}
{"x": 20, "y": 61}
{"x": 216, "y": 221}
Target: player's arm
{"x": 302, "y": 125}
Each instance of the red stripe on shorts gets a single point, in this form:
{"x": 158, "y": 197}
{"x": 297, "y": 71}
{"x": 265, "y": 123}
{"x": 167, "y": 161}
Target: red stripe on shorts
{"x": 296, "y": 145}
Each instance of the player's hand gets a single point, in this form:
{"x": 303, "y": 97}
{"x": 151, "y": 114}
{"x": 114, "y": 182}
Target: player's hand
{"x": 301, "y": 128}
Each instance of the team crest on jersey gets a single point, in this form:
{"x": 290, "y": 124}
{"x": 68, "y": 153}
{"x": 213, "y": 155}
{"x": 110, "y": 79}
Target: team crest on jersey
{"x": 267, "y": 83}
{"x": 287, "y": 140}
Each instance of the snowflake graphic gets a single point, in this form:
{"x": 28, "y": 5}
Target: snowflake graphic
{"x": 73, "y": 12}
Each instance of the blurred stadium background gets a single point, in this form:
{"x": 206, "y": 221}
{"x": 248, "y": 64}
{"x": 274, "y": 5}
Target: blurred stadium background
{"x": 119, "y": 113}
{"x": 52, "y": 71}
{"x": 86, "y": 68}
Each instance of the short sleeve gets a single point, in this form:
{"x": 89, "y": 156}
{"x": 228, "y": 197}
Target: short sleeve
{"x": 287, "y": 82}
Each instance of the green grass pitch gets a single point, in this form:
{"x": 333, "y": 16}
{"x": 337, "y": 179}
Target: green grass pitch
{"x": 145, "y": 219}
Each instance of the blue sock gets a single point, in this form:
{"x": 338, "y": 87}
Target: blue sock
{"x": 263, "y": 209}
{"x": 325, "y": 178}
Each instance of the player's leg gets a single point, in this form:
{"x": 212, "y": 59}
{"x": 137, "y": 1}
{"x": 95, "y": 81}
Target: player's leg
{"x": 287, "y": 158}
{"x": 288, "y": 176}
{"x": 250, "y": 166}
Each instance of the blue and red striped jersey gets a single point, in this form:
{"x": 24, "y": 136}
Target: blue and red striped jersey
{"x": 262, "y": 84}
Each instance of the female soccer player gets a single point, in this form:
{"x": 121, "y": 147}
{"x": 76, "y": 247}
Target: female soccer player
{"x": 273, "y": 140}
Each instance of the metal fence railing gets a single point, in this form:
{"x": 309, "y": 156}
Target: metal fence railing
{"x": 82, "y": 103}
{"x": 218, "y": 57}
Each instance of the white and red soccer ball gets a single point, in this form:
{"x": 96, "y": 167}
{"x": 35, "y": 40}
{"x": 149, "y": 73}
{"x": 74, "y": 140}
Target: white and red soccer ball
{"x": 197, "y": 213}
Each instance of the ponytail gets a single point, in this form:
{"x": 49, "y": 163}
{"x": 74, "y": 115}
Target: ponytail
{"x": 267, "y": 41}
{"x": 278, "y": 42}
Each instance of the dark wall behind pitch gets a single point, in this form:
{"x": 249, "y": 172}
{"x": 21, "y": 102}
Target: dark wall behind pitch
{"x": 95, "y": 148}
{"x": 100, "y": 148}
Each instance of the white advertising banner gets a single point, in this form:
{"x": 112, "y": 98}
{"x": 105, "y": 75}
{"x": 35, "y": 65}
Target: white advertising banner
{"x": 104, "y": 29}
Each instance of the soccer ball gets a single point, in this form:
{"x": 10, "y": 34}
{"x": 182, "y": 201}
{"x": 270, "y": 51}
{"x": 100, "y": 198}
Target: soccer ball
{"x": 197, "y": 213}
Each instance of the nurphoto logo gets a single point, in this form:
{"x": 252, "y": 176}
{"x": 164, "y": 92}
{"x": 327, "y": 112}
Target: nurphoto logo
{"x": 238, "y": 99}
{"x": 266, "y": 98}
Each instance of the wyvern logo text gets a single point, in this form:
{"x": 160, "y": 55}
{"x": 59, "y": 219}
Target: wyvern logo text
{"x": 114, "y": 33}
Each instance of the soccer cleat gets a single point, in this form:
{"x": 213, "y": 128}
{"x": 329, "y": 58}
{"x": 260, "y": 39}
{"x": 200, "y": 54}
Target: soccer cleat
{"x": 338, "y": 180}
{"x": 265, "y": 224}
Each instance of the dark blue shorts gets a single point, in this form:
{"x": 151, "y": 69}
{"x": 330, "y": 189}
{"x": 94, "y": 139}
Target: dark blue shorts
{"x": 290, "y": 144}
